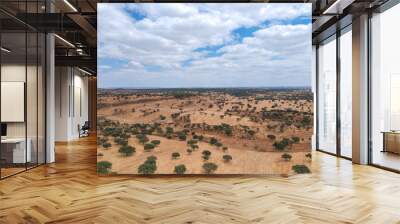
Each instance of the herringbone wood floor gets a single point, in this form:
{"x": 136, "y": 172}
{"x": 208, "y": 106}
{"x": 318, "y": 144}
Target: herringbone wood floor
{"x": 69, "y": 191}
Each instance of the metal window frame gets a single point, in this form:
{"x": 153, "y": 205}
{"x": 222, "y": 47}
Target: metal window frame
{"x": 339, "y": 32}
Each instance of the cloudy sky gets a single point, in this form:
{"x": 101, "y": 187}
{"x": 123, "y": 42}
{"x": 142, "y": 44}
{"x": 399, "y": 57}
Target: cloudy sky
{"x": 204, "y": 45}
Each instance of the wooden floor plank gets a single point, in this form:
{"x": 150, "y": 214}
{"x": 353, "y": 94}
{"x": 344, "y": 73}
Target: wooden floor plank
{"x": 70, "y": 191}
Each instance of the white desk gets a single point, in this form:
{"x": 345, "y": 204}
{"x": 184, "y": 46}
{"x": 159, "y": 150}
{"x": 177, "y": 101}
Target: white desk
{"x": 19, "y": 154}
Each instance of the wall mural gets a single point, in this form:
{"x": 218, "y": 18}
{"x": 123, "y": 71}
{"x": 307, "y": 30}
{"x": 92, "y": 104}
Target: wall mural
{"x": 204, "y": 88}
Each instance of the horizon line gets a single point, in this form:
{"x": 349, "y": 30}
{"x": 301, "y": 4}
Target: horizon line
{"x": 228, "y": 87}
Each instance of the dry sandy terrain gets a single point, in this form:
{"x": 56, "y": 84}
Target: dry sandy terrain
{"x": 250, "y": 118}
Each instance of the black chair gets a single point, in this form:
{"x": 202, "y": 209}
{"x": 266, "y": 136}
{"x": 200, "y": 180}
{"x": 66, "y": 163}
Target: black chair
{"x": 84, "y": 130}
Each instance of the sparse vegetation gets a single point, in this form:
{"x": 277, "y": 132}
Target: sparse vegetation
{"x": 286, "y": 156}
{"x": 206, "y": 154}
{"x": 180, "y": 169}
{"x": 227, "y": 158}
{"x": 210, "y": 167}
{"x": 301, "y": 169}
{"x": 175, "y": 155}
{"x": 104, "y": 167}
{"x": 149, "y": 166}
{"x": 231, "y": 121}
{"x": 126, "y": 150}
{"x": 148, "y": 147}
{"x": 106, "y": 145}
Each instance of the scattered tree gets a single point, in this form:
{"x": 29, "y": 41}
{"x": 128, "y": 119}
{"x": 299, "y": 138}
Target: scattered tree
{"x": 271, "y": 137}
{"x": 281, "y": 145}
{"x": 227, "y": 158}
{"x": 210, "y": 167}
{"x": 104, "y": 167}
{"x": 295, "y": 139}
{"x": 286, "y": 156}
{"x": 301, "y": 169}
{"x": 155, "y": 142}
{"x": 126, "y": 150}
{"x": 106, "y": 145}
{"x": 149, "y": 166}
{"x": 180, "y": 169}
{"x": 213, "y": 141}
{"x": 175, "y": 155}
{"x": 148, "y": 147}
{"x": 206, "y": 154}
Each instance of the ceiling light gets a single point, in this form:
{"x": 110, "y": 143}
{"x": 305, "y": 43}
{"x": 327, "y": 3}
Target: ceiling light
{"x": 86, "y": 72}
{"x": 5, "y": 50}
{"x": 64, "y": 40}
{"x": 70, "y": 5}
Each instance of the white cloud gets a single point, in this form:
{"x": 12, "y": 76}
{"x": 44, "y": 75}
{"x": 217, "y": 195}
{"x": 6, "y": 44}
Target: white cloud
{"x": 276, "y": 54}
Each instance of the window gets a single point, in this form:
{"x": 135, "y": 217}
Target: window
{"x": 346, "y": 93}
{"x": 385, "y": 89}
{"x": 327, "y": 96}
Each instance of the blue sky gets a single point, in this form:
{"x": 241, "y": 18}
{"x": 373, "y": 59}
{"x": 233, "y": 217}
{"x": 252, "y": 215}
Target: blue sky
{"x": 204, "y": 45}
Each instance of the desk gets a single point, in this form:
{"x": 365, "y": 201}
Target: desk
{"x": 13, "y": 150}
{"x": 391, "y": 141}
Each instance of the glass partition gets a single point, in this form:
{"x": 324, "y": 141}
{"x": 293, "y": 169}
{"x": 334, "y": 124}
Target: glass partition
{"x": 385, "y": 89}
{"x": 22, "y": 77}
{"x": 346, "y": 93}
{"x": 13, "y": 94}
{"x": 327, "y": 96}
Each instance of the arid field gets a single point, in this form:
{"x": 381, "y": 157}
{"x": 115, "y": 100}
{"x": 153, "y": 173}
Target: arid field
{"x": 204, "y": 131}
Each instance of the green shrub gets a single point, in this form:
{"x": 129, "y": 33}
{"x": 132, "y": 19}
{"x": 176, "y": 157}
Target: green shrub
{"x": 101, "y": 141}
{"x": 127, "y": 150}
{"x": 169, "y": 130}
{"x": 148, "y": 147}
{"x": 104, "y": 167}
{"x": 210, "y": 167}
{"x": 224, "y": 148}
{"x": 175, "y": 155}
{"x": 155, "y": 142}
{"x": 301, "y": 169}
{"x": 189, "y": 151}
{"x": 182, "y": 136}
{"x": 227, "y": 158}
{"x": 106, "y": 145}
{"x": 180, "y": 169}
{"x": 281, "y": 145}
{"x": 309, "y": 156}
{"x": 286, "y": 156}
{"x": 271, "y": 137}
{"x": 151, "y": 159}
{"x": 120, "y": 141}
{"x": 213, "y": 141}
{"x": 142, "y": 138}
{"x": 295, "y": 139}
{"x": 206, "y": 154}
{"x": 192, "y": 142}
{"x": 149, "y": 166}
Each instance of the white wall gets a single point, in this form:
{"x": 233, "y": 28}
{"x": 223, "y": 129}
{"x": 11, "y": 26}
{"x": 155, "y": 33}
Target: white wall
{"x": 71, "y": 102}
